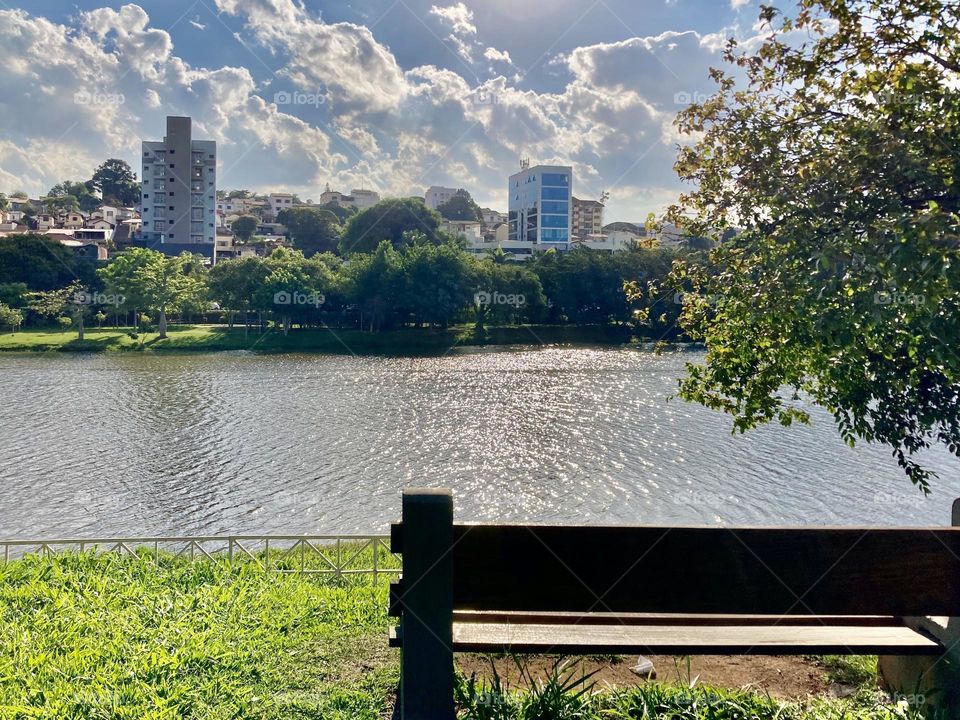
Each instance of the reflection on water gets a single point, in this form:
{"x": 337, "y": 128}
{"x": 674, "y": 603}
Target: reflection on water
{"x": 140, "y": 444}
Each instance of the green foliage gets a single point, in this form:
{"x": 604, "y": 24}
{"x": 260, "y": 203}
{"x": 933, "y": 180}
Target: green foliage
{"x": 153, "y": 281}
{"x": 389, "y": 220}
{"x": 41, "y": 263}
{"x": 312, "y": 231}
{"x": 10, "y": 317}
{"x": 102, "y": 636}
{"x": 460, "y": 207}
{"x": 836, "y": 157}
{"x": 244, "y": 227}
{"x": 116, "y": 182}
{"x": 73, "y": 195}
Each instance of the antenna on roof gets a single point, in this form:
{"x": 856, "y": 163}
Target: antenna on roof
{"x": 524, "y": 163}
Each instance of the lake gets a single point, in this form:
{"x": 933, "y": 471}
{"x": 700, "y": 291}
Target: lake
{"x": 130, "y": 444}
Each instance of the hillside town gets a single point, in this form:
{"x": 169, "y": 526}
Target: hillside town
{"x": 180, "y": 209}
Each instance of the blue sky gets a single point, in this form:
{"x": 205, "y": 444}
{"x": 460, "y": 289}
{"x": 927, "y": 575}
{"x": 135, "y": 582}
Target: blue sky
{"x": 394, "y": 95}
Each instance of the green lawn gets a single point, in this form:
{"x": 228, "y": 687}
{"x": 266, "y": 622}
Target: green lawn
{"x": 211, "y": 338}
{"x": 109, "y": 637}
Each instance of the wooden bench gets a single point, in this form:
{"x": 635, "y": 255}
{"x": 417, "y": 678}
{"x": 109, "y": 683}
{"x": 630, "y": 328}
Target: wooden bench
{"x": 676, "y": 590}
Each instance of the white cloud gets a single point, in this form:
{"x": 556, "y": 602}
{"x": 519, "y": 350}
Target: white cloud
{"x": 459, "y": 17}
{"x": 495, "y": 55}
{"x": 370, "y": 122}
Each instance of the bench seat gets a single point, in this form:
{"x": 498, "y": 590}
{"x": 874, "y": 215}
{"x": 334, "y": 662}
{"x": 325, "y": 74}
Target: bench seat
{"x": 567, "y": 633}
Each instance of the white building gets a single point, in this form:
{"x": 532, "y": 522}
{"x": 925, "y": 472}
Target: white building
{"x": 437, "y": 196}
{"x": 279, "y": 201}
{"x": 178, "y": 188}
{"x": 472, "y": 230}
{"x": 362, "y": 199}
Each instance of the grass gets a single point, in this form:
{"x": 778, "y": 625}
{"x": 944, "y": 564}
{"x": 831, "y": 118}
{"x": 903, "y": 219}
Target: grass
{"x": 108, "y": 637}
{"x": 210, "y": 338}
{"x": 100, "y": 636}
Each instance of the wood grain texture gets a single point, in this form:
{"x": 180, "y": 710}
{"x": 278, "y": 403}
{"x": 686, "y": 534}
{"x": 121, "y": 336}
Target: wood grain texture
{"x": 687, "y": 640}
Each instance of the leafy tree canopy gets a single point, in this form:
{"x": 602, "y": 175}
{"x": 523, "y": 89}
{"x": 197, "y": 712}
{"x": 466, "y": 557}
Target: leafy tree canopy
{"x": 40, "y": 263}
{"x": 312, "y": 230}
{"x": 460, "y": 207}
{"x": 837, "y": 154}
{"x": 244, "y": 227}
{"x": 389, "y": 220}
{"x": 116, "y": 182}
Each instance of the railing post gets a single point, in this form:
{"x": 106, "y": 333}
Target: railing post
{"x": 426, "y": 657}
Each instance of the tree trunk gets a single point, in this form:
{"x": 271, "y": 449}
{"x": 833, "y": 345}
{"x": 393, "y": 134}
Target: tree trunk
{"x": 162, "y": 324}
{"x": 80, "y": 325}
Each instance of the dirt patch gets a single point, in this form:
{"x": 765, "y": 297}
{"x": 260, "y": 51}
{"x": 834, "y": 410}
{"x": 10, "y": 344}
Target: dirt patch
{"x": 783, "y": 677}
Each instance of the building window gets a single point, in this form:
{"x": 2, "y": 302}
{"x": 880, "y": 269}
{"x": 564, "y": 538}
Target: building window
{"x": 159, "y": 225}
{"x": 556, "y": 179}
{"x": 554, "y": 193}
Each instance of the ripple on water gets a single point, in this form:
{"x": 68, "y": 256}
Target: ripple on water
{"x": 235, "y": 442}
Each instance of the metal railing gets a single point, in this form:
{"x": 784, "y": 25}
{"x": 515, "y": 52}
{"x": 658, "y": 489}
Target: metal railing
{"x": 336, "y": 555}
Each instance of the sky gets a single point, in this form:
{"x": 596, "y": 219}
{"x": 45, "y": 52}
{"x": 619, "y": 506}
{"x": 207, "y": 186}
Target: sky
{"x": 389, "y": 95}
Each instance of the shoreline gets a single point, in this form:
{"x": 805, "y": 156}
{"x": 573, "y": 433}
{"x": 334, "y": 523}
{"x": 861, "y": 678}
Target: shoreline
{"x": 407, "y": 342}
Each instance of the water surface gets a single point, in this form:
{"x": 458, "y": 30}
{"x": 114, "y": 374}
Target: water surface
{"x": 129, "y": 444}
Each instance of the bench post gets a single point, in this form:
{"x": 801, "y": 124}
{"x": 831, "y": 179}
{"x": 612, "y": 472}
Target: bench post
{"x": 931, "y": 682}
{"x": 426, "y": 657}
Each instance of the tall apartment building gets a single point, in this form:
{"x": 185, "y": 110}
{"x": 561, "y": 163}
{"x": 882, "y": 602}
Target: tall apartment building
{"x": 179, "y": 188}
{"x": 539, "y": 210}
{"x": 587, "y": 217}
{"x": 437, "y": 196}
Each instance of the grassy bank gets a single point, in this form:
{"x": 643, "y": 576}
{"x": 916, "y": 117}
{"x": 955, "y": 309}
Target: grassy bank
{"x": 89, "y": 637}
{"x": 213, "y": 338}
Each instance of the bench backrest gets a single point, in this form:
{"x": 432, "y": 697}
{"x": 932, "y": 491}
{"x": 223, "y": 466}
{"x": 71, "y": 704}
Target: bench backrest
{"x": 689, "y": 570}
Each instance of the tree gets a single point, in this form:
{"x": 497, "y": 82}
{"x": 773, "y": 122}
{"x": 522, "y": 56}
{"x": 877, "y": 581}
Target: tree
{"x": 10, "y": 317}
{"x": 116, "y": 182}
{"x": 342, "y": 212}
{"x": 460, "y": 207}
{"x": 76, "y": 194}
{"x": 40, "y": 263}
{"x": 389, "y": 220}
{"x": 312, "y": 231}
{"x": 244, "y": 227}
{"x": 235, "y": 283}
{"x": 836, "y": 158}
{"x": 61, "y": 304}
{"x": 376, "y": 283}
{"x": 153, "y": 281}
{"x": 295, "y": 288}
{"x": 438, "y": 282}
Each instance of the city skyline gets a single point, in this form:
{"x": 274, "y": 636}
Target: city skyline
{"x": 394, "y": 97}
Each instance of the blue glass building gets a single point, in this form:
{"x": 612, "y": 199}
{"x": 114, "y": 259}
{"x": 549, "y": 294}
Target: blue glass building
{"x": 540, "y": 206}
